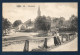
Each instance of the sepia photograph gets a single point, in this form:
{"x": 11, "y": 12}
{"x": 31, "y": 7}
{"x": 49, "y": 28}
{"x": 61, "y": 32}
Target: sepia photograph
{"x": 40, "y": 27}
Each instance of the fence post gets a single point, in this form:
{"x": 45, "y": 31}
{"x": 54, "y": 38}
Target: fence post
{"x": 26, "y": 46}
{"x": 69, "y": 37}
{"x": 62, "y": 39}
{"x": 45, "y": 43}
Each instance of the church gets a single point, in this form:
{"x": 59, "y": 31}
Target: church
{"x": 25, "y": 26}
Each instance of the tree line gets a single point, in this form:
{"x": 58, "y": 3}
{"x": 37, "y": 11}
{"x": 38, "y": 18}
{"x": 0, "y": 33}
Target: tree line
{"x": 44, "y": 23}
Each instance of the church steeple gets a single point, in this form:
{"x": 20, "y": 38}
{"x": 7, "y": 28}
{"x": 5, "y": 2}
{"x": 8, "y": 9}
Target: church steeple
{"x": 39, "y": 12}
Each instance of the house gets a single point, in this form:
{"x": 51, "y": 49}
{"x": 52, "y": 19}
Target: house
{"x": 21, "y": 27}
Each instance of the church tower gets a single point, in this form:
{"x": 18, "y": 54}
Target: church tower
{"x": 39, "y": 12}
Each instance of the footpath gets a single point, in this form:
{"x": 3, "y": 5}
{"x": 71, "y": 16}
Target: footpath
{"x": 70, "y": 46}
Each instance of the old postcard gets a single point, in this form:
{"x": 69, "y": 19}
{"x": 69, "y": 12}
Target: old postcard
{"x": 40, "y": 27}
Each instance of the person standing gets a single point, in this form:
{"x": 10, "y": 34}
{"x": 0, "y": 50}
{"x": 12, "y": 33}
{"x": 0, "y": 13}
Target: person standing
{"x": 58, "y": 39}
{"x": 55, "y": 39}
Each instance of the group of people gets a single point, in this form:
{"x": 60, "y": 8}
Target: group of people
{"x": 56, "y": 38}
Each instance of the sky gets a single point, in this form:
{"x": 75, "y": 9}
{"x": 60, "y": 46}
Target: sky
{"x": 26, "y": 11}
